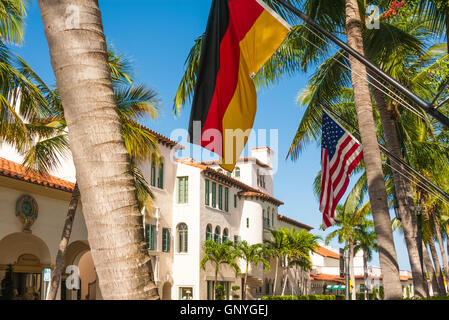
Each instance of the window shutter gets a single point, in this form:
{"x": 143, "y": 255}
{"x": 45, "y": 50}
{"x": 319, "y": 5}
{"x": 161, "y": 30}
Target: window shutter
{"x": 214, "y": 194}
{"x": 226, "y": 204}
{"x": 186, "y": 188}
{"x": 150, "y": 237}
{"x": 165, "y": 240}
{"x": 220, "y": 197}
{"x": 206, "y": 200}
{"x": 153, "y": 173}
{"x": 160, "y": 178}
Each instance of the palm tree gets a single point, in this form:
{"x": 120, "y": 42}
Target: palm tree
{"x": 79, "y": 60}
{"x": 132, "y": 103}
{"x": 254, "y": 255}
{"x": 399, "y": 40}
{"x": 301, "y": 244}
{"x": 279, "y": 248}
{"x": 219, "y": 254}
{"x": 352, "y": 226}
{"x": 331, "y": 15}
{"x": 437, "y": 13}
{"x": 367, "y": 243}
{"x": 43, "y": 155}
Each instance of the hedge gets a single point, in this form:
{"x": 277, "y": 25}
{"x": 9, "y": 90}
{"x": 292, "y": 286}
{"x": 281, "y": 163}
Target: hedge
{"x": 304, "y": 297}
{"x": 430, "y": 298}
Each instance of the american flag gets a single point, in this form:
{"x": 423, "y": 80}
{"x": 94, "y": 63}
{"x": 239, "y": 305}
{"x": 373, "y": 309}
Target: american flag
{"x": 340, "y": 154}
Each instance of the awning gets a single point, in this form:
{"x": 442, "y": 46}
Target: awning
{"x": 336, "y": 287}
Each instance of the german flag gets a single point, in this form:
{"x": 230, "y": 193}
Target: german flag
{"x": 241, "y": 35}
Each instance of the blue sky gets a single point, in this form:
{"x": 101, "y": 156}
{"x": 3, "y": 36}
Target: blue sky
{"x": 156, "y": 35}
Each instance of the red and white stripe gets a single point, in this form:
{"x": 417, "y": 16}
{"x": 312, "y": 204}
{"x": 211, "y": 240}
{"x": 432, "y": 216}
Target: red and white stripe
{"x": 335, "y": 175}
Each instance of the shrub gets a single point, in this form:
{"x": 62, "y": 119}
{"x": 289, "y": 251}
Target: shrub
{"x": 430, "y": 298}
{"x": 304, "y": 297}
{"x": 373, "y": 296}
{"x": 7, "y": 285}
{"x": 220, "y": 292}
{"x": 235, "y": 291}
{"x": 360, "y": 296}
{"x": 382, "y": 293}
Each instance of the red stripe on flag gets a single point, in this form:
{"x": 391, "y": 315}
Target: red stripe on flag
{"x": 339, "y": 152}
{"x": 345, "y": 185}
{"x": 345, "y": 161}
{"x": 243, "y": 14}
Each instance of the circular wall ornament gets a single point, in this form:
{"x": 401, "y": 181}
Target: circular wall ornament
{"x": 26, "y": 211}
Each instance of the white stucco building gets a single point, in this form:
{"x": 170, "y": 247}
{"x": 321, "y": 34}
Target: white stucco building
{"x": 326, "y": 273}
{"x": 194, "y": 201}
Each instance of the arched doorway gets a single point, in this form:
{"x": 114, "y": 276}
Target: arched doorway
{"x": 79, "y": 258}
{"x": 166, "y": 291}
{"x": 23, "y": 258}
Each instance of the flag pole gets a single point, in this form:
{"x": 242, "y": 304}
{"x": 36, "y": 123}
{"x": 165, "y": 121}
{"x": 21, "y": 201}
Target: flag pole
{"x": 427, "y": 107}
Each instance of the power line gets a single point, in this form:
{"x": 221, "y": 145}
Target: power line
{"x": 428, "y": 108}
{"x": 404, "y": 103}
{"x": 424, "y": 182}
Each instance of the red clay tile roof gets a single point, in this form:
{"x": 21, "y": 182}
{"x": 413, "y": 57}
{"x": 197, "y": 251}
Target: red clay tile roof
{"x": 240, "y": 160}
{"x": 322, "y": 251}
{"x": 326, "y": 277}
{"x": 360, "y": 276}
{"x": 294, "y": 222}
{"x": 247, "y": 191}
{"x": 162, "y": 139}
{"x": 17, "y": 171}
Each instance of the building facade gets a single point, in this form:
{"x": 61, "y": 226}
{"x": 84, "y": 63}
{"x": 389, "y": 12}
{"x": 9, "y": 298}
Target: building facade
{"x": 325, "y": 274}
{"x": 193, "y": 201}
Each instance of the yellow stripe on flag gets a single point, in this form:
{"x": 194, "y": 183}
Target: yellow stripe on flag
{"x": 259, "y": 44}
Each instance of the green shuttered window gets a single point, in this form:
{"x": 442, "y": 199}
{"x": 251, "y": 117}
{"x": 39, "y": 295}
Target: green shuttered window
{"x": 214, "y": 194}
{"x": 220, "y": 197}
{"x": 183, "y": 189}
{"x": 207, "y": 192}
{"x": 226, "y": 200}
{"x": 160, "y": 177}
{"x": 165, "y": 240}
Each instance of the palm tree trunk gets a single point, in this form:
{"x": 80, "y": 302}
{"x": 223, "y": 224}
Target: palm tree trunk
{"x": 285, "y": 272}
{"x": 433, "y": 280}
{"x": 441, "y": 246}
{"x": 373, "y": 162}
{"x": 79, "y": 59}
{"x": 275, "y": 276}
{"x": 351, "y": 269}
{"x": 215, "y": 283}
{"x": 245, "y": 278}
{"x": 403, "y": 193}
{"x": 365, "y": 272}
{"x": 66, "y": 232}
{"x": 436, "y": 262}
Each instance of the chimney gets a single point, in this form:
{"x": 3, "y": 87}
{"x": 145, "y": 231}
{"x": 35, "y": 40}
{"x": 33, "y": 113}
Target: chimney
{"x": 264, "y": 155}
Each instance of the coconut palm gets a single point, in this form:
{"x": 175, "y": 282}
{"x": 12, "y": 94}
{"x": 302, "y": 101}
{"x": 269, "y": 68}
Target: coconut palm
{"x": 252, "y": 255}
{"x": 279, "y": 248}
{"x": 353, "y": 225}
{"x": 437, "y": 13}
{"x": 219, "y": 254}
{"x": 402, "y": 42}
{"x": 110, "y": 205}
{"x": 301, "y": 244}
{"x": 133, "y": 103}
{"x": 367, "y": 243}
{"x": 331, "y": 14}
